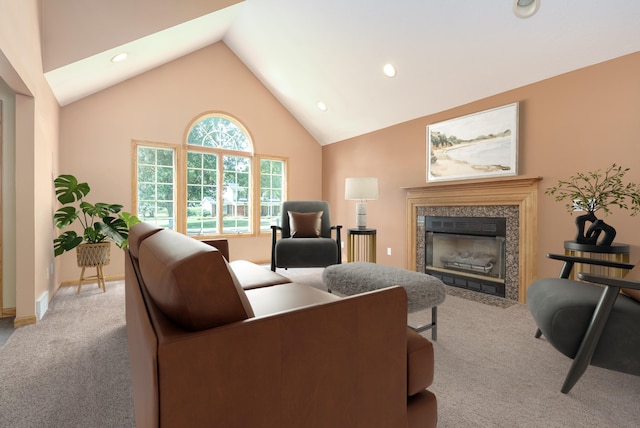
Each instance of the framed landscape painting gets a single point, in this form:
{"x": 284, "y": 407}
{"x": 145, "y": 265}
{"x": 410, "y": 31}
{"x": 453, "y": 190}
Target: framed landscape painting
{"x": 478, "y": 145}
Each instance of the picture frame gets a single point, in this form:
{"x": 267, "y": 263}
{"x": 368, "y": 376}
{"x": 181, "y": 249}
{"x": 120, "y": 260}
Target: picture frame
{"x": 478, "y": 145}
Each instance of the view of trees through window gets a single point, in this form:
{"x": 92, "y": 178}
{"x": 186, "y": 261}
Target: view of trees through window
{"x": 221, "y": 174}
{"x": 271, "y": 192}
{"x": 156, "y": 186}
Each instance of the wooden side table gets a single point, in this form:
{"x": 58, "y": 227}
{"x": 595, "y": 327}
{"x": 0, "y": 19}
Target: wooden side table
{"x": 613, "y": 253}
{"x": 361, "y": 245}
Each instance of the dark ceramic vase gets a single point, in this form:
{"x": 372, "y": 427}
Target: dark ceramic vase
{"x": 597, "y": 228}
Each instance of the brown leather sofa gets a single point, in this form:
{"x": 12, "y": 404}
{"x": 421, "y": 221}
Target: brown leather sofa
{"x": 205, "y": 352}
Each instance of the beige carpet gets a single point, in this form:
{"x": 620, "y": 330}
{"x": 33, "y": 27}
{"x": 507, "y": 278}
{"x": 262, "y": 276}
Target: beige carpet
{"x": 492, "y": 372}
{"x": 71, "y": 369}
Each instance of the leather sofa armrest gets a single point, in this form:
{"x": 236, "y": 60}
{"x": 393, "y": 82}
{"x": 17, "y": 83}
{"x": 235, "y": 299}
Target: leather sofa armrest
{"x": 222, "y": 244}
{"x": 344, "y": 360}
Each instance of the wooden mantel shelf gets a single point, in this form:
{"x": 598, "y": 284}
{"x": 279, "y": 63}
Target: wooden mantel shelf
{"x": 521, "y": 191}
{"x": 478, "y": 183}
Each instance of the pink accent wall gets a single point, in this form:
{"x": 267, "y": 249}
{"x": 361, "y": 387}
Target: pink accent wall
{"x": 96, "y": 133}
{"x": 579, "y": 121}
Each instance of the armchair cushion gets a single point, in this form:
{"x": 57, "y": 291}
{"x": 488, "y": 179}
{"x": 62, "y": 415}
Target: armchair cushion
{"x": 563, "y": 309}
{"x": 305, "y": 225}
{"x": 191, "y": 284}
{"x": 307, "y": 252}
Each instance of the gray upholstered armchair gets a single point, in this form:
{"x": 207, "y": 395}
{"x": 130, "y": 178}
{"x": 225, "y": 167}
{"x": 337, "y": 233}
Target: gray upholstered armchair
{"x": 593, "y": 324}
{"x": 305, "y": 236}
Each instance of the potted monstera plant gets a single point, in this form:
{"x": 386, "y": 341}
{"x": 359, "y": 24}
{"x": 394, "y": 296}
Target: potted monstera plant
{"x": 594, "y": 191}
{"x": 101, "y": 223}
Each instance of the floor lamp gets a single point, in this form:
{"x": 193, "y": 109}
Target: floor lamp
{"x": 361, "y": 189}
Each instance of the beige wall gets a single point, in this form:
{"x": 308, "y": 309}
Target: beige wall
{"x": 579, "y": 121}
{"x": 35, "y": 143}
{"x": 96, "y": 133}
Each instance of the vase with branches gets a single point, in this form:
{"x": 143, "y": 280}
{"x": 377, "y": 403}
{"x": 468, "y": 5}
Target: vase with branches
{"x": 593, "y": 191}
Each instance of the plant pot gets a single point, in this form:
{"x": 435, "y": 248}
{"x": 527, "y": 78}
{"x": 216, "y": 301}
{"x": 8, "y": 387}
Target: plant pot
{"x": 91, "y": 255}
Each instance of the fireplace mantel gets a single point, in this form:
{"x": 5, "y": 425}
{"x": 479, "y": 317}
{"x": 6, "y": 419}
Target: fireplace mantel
{"x": 520, "y": 191}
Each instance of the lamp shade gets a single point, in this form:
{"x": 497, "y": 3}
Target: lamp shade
{"x": 361, "y": 188}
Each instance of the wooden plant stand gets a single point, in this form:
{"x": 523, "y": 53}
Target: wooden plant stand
{"x": 93, "y": 255}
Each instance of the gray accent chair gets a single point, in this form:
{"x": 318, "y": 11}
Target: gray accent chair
{"x": 290, "y": 252}
{"x": 590, "y": 321}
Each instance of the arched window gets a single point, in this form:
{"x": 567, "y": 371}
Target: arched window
{"x": 223, "y": 187}
{"x": 220, "y": 132}
{"x": 219, "y": 171}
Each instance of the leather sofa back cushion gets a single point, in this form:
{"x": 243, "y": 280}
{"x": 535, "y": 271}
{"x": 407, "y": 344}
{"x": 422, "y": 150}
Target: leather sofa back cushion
{"x": 305, "y": 225}
{"x": 138, "y": 233}
{"x": 190, "y": 282}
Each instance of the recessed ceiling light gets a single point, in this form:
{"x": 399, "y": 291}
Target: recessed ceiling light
{"x": 525, "y": 8}
{"x": 389, "y": 70}
{"x": 120, "y": 57}
{"x": 322, "y": 106}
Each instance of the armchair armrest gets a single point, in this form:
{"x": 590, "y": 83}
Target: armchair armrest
{"x": 610, "y": 281}
{"x": 569, "y": 261}
{"x": 337, "y": 228}
{"x": 274, "y": 238}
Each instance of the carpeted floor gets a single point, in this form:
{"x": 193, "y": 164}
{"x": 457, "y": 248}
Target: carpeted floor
{"x": 6, "y": 329}
{"x": 71, "y": 368}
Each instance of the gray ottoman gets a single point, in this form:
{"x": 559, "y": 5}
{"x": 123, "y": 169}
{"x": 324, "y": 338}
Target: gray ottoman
{"x": 423, "y": 291}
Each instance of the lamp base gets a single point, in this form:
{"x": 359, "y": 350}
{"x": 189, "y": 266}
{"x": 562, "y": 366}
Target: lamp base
{"x": 361, "y": 215}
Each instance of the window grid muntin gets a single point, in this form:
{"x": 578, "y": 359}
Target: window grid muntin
{"x": 236, "y": 199}
{"x": 219, "y": 131}
{"x": 180, "y": 187}
{"x": 201, "y": 193}
{"x": 156, "y": 190}
{"x": 272, "y": 191}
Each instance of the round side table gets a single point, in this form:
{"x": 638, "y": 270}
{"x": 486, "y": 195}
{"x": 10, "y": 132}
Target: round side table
{"x": 614, "y": 253}
{"x": 361, "y": 245}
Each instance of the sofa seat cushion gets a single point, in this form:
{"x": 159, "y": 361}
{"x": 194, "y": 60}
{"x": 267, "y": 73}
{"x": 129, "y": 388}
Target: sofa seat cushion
{"x": 190, "y": 282}
{"x": 420, "y": 363}
{"x": 422, "y": 410}
{"x": 279, "y": 298}
{"x": 252, "y": 276}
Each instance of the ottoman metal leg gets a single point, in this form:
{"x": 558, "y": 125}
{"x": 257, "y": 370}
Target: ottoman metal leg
{"x": 433, "y": 326}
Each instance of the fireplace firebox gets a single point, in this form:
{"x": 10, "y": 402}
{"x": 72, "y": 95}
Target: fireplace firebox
{"x": 467, "y": 252}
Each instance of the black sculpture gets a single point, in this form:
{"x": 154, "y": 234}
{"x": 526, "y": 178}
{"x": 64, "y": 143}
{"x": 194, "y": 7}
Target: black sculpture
{"x": 590, "y": 237}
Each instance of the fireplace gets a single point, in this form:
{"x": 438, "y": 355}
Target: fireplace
{"x": 512, "y": 198}
{"x": 467, "y": 252}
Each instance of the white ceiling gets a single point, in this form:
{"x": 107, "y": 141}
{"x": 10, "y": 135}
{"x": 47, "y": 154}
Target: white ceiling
{"x": 447, "y": 53}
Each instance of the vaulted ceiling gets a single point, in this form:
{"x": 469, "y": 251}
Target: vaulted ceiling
{"x": 447, "y": 53}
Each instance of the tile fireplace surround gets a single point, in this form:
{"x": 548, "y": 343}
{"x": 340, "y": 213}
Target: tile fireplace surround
{"x": 515, "y": 198}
